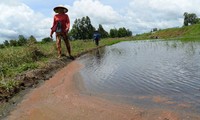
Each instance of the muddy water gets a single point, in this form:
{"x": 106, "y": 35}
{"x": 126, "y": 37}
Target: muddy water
{"x": 150, "y": 74}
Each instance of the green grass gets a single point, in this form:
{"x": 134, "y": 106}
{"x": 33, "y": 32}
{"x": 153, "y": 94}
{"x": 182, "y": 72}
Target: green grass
{"x": 187, "y": 33}
{"x": 9, "y": 85}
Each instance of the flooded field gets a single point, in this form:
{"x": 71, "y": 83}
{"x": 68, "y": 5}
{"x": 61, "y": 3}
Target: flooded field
{"x": 159, "y": 74}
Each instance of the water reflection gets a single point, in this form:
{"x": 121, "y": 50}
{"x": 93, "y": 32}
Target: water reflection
{"x": 189, "y": 47}
{"x": 129, "y": 70}
{"x": 98, "y": 56}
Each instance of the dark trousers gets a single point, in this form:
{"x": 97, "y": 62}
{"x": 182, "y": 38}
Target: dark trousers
{"x": 96, "y": 42}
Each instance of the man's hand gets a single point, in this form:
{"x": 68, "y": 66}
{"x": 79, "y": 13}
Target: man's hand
{"x": 67, "y": 30}
{"x": 51, "y": 34}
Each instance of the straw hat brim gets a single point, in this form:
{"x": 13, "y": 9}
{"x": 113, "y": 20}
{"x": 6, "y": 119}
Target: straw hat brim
{"x": 64, "y": 8}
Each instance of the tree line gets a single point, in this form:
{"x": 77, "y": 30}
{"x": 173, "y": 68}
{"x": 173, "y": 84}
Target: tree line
{"x": 21, "y": 41}
{"x": 82, "y": 29}
{"x": 18, "y": 42}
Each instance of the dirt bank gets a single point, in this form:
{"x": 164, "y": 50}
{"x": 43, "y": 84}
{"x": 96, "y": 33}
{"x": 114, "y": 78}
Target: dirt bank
{"x": 59, "y": 99}
{"x": 28, "y": 80}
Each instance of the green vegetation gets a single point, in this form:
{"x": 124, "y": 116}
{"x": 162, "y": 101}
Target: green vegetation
{"x": 190, "y": 19}
{"x": 103, "y": 33}
{"x": 9, "y": 85}
{"x": 121, "y": 32}
{"x": 191, "y": 32}
{"x": 83, "y": 29}
{"x": 46, "y": 40}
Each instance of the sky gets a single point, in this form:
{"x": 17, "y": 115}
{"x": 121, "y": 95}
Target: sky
{"x": 35, "y": 17}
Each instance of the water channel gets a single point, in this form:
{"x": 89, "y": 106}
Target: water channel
{"x": 146, "y": 73}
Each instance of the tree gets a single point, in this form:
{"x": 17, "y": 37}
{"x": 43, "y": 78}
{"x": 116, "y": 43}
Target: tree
{"x": 32, "y": 39}
{"x": 21, "y": 40}
{"x": 129, "y": 33}
{"x": 185, "y": 19}
{"x": 82, "y": 29}
{"x": 113, "y": 33}
{"x": 155, "y": 29}
{"x": 103, "y": 33}
{"x": 6, "y": 43}
{"x": 75, "y": 30}
{"x": 190, "y": 19}
{"x": 89, "y": 27}
{"x": 13, "y": 42}
{"x": 122, "y": 32}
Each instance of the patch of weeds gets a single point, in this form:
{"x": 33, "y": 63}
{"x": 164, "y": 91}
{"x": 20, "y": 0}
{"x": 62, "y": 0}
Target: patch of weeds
{"x": 27, "y": 66}
{"x": 8, "y": 85}
{"x": 33, "y": 52}
{"x": 3, "y": 71}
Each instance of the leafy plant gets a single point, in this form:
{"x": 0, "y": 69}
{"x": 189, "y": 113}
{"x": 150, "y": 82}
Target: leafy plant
{"x": 27, "y": 66}
{"x": 8, "y": 85}
{"x": 33, "y": 52}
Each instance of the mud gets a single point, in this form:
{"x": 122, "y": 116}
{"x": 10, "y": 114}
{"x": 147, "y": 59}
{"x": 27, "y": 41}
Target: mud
{"x": 59, "y": 98}
{"x": 29, "y": 80}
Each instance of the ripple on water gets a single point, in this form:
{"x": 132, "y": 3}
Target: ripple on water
{"x": 146, "y": 68}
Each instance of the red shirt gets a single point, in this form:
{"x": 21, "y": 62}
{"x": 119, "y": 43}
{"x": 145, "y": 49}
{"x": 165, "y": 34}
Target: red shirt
{"x": 64, "y": 19}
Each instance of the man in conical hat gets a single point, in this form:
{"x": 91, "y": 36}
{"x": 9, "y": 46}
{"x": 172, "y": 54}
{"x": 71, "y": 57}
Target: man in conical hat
{"x": 61, "y": 25}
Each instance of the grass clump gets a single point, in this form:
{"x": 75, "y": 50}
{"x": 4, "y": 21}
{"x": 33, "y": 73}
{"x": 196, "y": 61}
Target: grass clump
{"x": 18, "y": 58}
{"x": 8, "y": 86}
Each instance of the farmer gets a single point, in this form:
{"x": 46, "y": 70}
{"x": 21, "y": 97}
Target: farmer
{"x": 96, "y": 37}
{"x": 61, "y": 25}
